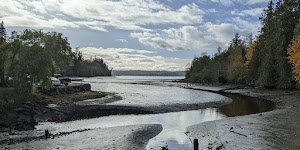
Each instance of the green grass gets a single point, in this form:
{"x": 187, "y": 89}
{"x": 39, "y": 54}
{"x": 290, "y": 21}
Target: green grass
{"x": 9, "y": 98}
{"x": 68, "y": 98}
{"x": 72, "y": 98}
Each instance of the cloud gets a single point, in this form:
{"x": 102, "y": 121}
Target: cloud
{"x": 119, "y": 59}
{"x": 222, "y": 33}
{"x": 246, "y": 26}
{"x": 228, "y": 3}
{"x": 224, "y": 2}
{"x": 96, "y": 14}
{"x": 122, "y": 40}
{"x": 251, "y": 2}
{"x": 156, "y": 41}
{"x": 211, "y": 10}
{"x": 190, "y": 37}
{"x": 255, "y": 12}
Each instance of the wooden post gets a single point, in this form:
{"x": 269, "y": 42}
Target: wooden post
{"x": 196, "y": 144}
{"x": 47, "y": 134}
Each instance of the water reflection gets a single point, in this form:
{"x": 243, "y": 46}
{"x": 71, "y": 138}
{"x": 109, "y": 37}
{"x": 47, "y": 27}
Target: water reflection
{"x": 174, "y": 125}
{"x": 245, "y": 105}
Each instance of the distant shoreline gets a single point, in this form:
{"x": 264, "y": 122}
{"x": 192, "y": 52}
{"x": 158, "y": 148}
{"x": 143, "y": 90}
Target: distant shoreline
{"x": 146, "y": 73}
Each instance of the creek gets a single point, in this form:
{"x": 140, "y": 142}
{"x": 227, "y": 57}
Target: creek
{"x": 154, "y": 91}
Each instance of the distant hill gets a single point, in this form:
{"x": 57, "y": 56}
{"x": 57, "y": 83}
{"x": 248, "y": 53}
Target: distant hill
{"x": 146, "y": 73}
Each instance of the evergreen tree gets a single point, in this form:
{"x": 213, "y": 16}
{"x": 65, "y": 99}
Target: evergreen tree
{"x": 3, "y": 54}
{"x": 2, "y": 31}
{"x": 286, "y": 20}
{"x": 236, "y": 40}
{"x": 297, "y": 30}
{"x": 236, "y": 69}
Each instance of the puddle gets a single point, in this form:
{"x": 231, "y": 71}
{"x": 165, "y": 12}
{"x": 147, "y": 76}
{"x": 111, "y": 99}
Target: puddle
{"x": 245, "y": 105}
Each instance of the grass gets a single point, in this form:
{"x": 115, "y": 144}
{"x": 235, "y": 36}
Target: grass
{"x": 68, "y": 98}
{"x": 8, "y": 96}
{"x": 72, "y": 98}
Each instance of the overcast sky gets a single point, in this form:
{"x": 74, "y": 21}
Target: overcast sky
{"x": 139, "y": 34}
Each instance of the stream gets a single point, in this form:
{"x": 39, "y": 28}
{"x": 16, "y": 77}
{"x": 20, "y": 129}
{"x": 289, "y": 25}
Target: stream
{"x": 158, "y": 91}
{"x": 148, "y": 91}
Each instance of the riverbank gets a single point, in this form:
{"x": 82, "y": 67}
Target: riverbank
{"x": 113, "y": 104}
{"x": 277, "y": 129}
{"x": 133, "y": 103}
{"x": 116, "y": 138}
{"x": 22, "y": 111}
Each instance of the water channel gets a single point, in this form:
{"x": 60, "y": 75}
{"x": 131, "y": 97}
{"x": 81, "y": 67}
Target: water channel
{"x": 145, "y": 91}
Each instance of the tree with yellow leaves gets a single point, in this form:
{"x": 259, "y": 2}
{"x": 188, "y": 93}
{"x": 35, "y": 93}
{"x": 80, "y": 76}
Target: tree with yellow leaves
{"x": 294, "y": 57}
{"x": 249, "y": 53}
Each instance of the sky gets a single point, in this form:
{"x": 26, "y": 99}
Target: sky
{"x": 139, "y": 34}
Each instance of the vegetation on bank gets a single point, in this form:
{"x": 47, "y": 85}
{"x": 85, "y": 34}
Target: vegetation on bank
{"x": 271, "y": 60}
{"x": 68, "y": 98}
{"x": 31, "y": 57}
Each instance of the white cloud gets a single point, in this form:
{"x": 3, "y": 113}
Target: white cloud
{"x": 255, "y": 12}
{"x": 247, "y": 27}
{"x": 122, "y": 40}
{"x": 211, "y": 10}
{"x": 223, "y": 32}
{"x": 157, "y": 41}
{"x": 224, "y": 2}
{"x": 37, "y": 22}
{"x": 119, "y": 59}
{"x": 232, "y": 2}
{"x": 190, "y": 37}
{"x": 251, "y": 2}
{"x": 96, "y": 14}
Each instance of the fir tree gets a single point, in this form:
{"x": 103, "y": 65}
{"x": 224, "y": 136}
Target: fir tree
{"x": 3, "y": 53}
{"x": 2, "y": 31}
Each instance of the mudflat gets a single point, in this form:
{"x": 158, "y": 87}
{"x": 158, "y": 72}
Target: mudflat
{"x": 277, "y": 129}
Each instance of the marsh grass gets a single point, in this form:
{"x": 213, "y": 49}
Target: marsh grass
{"x": 68, "y": 98}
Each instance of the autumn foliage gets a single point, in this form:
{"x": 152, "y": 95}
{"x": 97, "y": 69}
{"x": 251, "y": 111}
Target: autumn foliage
{"x": 249, "y": 53}
{"x": 294, "y": 57}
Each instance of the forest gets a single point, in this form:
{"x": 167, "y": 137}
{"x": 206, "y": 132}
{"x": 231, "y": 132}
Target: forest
{"x": 84, "y": 67}
{"x": 30, "y": 57}
{"x": 271, "y": 59}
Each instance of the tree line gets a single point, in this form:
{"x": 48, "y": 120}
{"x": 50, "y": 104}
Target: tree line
{"x": 271, "y": 60}
{"x": 85, "y": 67}
{"x": 31, "y": 57}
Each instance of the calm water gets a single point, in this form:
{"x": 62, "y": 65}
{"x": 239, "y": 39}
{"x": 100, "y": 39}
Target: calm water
{"x": 151, "y": 91}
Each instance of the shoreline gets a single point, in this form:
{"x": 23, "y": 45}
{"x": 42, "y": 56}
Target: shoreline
{"x": 276, "y": 129}
{"x": 226, "y": 133}
{"x": 46, "y": 112}
{"x": 117, "y": 138}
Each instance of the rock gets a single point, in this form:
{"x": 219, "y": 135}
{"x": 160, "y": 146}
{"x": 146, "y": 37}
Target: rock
{"x": 164, "y": 148}
{"x": 220, "y": 147}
